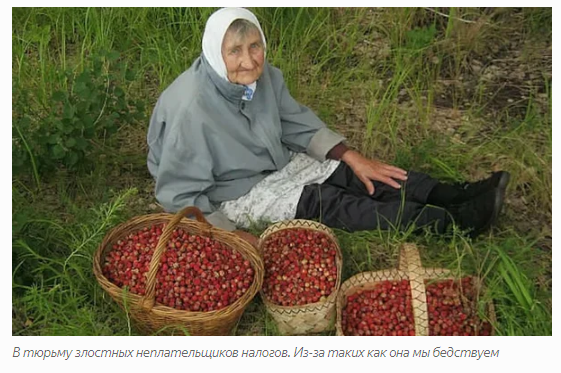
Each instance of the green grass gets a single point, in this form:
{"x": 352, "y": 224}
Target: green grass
{"x": 457, "y": 95}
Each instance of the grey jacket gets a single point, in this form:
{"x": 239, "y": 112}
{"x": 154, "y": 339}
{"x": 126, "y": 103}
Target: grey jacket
{"x": 207, "y": 145}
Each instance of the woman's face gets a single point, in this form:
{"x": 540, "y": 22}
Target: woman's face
{"x": 244, "y": 57}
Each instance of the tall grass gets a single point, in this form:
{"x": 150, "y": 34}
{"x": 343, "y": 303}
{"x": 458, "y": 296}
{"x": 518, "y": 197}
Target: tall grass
{"x": 52, "y": 288}
{"x": 393, "y": 81}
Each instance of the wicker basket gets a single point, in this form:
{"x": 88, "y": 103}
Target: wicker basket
{"x": 410, "y": 268}
{"x": 150, "y": 316}
{"x": 310, "y": 318}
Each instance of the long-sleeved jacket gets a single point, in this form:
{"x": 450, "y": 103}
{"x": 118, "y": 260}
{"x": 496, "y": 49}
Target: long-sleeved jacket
{"x": 207, "y": 145}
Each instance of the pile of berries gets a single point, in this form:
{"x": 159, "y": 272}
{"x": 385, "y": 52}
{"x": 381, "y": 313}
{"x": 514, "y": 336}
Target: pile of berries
{"x": 382, "y": 310}
{"x": 300, "y": 267}
{"x": 196, "y": 273}
{"x": 452, "y": 310}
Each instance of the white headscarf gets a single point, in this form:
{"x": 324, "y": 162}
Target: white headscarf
{"x": 216, "y": 28}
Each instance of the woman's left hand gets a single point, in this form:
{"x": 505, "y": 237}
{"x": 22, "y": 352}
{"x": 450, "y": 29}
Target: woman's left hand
{"x": 369, "y": 169}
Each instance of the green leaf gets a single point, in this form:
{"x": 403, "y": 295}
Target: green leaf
{"x": 88, "y": 121}
{"x": 89, "y": 132}
{"x": 59, "y": 96}
{"x": 95, "y": 99}
{"x": 70, "y": 143}
{"x": 81, "y": 143}
{"x": 80, "y": 87}
{"x": 58, "y": 152}
{"x": 84, "y": 78}
{"x": 118, "y": 92}
{"x": 130, "y": 75}
{"x": 68, "y": 111}
{"x": 67, "y": 126}
{"x": 59, "y": 124}
{"x": 112, "y": 56}
{"x": 72, "y": 158}
{"x": 111, "y": 129}
{"x": 97, "y": 65}
{"x": 53, "y": 139}
{"x": 24, "y": 122}
{"x": 19, "y": 221}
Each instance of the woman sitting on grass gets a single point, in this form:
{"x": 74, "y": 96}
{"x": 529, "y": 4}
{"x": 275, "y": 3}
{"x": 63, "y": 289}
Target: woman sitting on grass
{"x": 226, "y": 136}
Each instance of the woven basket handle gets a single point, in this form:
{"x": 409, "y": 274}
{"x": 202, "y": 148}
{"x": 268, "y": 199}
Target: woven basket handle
{"x": 410, "y": 261}
{"x": 149, "y": 298}
{"x": 191, "y": 210}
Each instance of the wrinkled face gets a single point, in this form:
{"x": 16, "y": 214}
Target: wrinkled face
{"x": 243, "y": 56}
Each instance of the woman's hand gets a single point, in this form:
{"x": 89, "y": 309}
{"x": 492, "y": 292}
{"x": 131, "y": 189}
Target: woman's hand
{"x": 369, "y": 169}
{"x": 253, "y": 240}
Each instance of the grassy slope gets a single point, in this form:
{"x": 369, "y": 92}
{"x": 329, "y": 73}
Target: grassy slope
{"x": 455, "y": 96}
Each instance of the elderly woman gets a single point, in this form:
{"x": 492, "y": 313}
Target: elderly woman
{"x": 227, "y": 136}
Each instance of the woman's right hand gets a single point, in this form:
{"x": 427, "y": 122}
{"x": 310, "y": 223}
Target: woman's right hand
{"x": 253, "y": 240}
{"x": 370, "y": 169}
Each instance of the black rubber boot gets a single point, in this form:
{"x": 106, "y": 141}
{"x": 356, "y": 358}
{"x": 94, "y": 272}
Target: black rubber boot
{"x": 479, "y": 213}
{"x": 445, "y": 195}
{"x": 497, "y": 180}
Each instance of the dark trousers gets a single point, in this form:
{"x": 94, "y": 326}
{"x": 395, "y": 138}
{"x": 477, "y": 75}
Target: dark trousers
{"x": 343, "y": 202}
